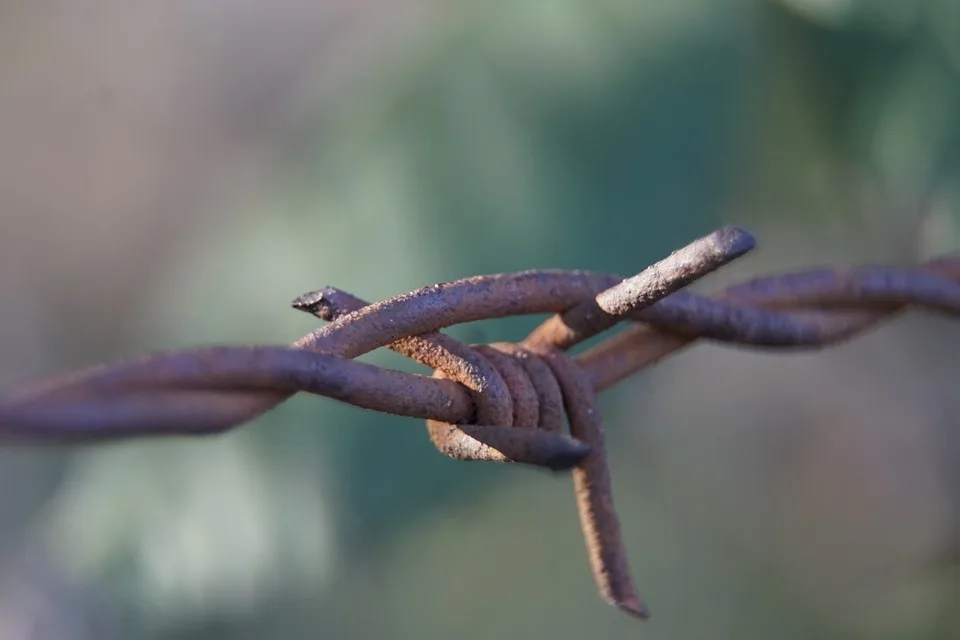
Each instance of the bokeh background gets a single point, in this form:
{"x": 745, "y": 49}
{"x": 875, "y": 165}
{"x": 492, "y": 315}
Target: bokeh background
{"x": 174, "y": 173}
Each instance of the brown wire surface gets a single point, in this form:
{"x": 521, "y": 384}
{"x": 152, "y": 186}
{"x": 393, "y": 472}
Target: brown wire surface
{"x": 501, "y": 402}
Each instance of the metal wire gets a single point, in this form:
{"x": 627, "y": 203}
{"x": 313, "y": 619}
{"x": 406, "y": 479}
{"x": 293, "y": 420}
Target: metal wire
{"x": 502, "y": 402}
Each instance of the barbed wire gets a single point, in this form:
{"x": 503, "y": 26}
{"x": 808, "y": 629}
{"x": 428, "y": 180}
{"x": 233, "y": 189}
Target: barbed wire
{"x": 503, "y": 402}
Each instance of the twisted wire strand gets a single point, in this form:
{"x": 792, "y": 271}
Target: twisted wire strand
{"x": 808, "y": 309}
{"x": 767, "y": 312}
{"x": 502, "y": 402}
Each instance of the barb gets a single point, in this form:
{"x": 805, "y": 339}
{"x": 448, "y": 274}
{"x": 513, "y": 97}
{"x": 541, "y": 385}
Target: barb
{"x": 501, "y": 402}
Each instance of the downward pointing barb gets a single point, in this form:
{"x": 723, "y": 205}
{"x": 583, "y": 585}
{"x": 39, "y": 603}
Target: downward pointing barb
{"x": 634, "y": 606}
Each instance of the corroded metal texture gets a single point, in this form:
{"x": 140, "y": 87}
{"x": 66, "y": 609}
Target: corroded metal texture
{"x": 502, "y": 402}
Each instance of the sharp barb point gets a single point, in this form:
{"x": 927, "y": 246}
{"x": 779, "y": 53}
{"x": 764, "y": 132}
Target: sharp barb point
{"x": 634, "y": 607}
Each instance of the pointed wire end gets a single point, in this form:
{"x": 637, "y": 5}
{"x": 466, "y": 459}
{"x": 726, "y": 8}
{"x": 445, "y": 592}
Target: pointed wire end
{"x": 568, "y": 456}
{"x": 734, "y": 241}
{"x": 633, "y": 606}
{"x": 315, "y": 303}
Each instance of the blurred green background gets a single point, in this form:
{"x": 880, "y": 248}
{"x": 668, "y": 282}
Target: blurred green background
{"x": 174, "y": 173}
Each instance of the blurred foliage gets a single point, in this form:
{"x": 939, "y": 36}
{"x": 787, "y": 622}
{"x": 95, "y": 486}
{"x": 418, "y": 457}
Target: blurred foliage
{"x": 601, "y": 136}
{"x": 529, "y": 127}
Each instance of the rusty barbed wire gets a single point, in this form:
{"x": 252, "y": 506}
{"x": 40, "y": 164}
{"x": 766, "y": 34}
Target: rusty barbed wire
{"x": 502, "y": 402}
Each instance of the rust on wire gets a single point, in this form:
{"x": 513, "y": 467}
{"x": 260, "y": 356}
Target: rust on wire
{"x": 502, "y": 402}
